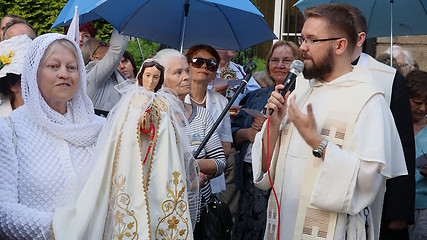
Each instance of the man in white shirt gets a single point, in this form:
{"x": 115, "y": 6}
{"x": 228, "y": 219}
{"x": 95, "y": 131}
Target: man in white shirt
{"x": 331, "y": 148}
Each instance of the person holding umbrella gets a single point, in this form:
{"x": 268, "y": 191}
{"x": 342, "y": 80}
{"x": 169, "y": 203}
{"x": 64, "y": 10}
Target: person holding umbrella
{"x": 101, "y": 61}
{"x": 400, "y": 194}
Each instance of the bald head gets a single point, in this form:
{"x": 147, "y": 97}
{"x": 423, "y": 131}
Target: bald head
{"x": 3, "y": 22}
{"x": 18, "y": 27}
{"x": 7, "y": 18}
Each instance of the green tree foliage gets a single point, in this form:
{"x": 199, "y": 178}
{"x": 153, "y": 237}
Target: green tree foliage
{"x": 148, "y": 48}
{"x": 41, "y": 14}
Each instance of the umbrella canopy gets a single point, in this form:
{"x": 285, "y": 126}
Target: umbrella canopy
{"x": 223, "y": 24}
{"x": 385, "y": 17}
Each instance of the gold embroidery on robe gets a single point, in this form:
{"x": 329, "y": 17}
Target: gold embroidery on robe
{"x": 123, "y": 226}
{"x": 174, "y": 225}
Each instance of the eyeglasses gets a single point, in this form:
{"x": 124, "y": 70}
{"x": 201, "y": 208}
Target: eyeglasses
{"x": 198, "y": 63}
{"x": 310, "y": 41}
{"x": 101, "y": 44}
{"x": 402, "y": 65}
{"x": 277, "y": 61}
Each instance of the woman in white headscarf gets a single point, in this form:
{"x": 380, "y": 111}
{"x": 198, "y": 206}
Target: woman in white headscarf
{"x": 46, "y": 145}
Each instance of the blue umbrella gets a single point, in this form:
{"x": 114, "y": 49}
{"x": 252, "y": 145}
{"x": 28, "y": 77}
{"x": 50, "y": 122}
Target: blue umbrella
{"x": 385, "y": 17}
{"x": 223, "y": 24}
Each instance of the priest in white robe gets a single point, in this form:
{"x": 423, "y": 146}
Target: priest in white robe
{"x": 330, "y": 143}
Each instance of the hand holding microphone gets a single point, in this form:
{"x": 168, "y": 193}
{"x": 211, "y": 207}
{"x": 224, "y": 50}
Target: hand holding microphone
{"x": 297, "y": 67}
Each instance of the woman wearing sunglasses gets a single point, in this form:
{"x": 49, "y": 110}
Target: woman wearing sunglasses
{"x": 203, "y": 60}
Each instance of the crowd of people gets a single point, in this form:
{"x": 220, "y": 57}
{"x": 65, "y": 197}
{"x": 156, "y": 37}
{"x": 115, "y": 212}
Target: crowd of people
{"x": 93, "y": 148}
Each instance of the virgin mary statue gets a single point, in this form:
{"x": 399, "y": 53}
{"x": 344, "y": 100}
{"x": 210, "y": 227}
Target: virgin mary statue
{"x": 145, "y": 183}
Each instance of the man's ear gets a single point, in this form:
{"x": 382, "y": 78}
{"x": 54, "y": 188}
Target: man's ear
{"x": 341, "y": 46}
{"x": 361, "y": 39}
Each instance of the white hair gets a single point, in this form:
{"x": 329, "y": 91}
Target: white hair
{"x": 397, "y": 50}
{"x": 165, "y": 55}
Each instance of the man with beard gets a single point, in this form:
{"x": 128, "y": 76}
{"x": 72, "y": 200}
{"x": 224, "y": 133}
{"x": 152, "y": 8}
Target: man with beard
{"x": 328, "y": 150}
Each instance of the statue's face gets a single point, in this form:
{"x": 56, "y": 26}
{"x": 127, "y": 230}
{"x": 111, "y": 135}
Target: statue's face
{"x": 150, "y": 78}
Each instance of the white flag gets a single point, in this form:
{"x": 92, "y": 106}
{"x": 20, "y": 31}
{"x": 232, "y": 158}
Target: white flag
{"x": 73, "y": 31}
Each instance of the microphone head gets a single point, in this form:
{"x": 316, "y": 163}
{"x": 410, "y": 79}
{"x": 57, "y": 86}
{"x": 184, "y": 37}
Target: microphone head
{"x": 297, "y": 67}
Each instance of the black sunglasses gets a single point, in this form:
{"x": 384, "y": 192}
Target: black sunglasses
{"x": 198, "y": 63}
{"x": 103, "y": 44}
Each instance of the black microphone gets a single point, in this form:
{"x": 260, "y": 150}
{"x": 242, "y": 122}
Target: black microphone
{"x": 296, "y": 68}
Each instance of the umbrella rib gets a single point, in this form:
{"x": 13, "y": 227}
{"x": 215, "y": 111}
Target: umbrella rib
{"x": 234, "y": 34}
{"x": 126, "y": 21}
{"x": 424, "y": 7}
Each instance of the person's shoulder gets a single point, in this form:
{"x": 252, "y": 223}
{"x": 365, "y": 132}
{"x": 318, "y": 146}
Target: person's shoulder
{"x": 216, "y": 95}
{"x": 99, "y": 119}
{"x": 236, "y": 64}
{"x": 17, "y": 117}
{"x": 261, "y": 91}
{"x": 5, "y": 108}
{"x": 264, "y": 90}
{"x": 374, "y": 64}
{"x": 90, "y": 65}
{"x": 202, "y": 112}
{"x": 20, "y": 113}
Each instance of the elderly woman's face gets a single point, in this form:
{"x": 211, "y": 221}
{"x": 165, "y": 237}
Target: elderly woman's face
{"x": 58, "y": 78}
{"x": 280, "y": 62}
{"x": 177, "y": 76}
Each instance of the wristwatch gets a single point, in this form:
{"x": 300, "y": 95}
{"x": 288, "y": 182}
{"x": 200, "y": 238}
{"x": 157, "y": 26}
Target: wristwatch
{"x": 319, "y": 150}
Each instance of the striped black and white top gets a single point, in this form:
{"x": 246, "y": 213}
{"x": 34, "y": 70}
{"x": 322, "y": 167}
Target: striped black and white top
{"x": 201, "y": 123}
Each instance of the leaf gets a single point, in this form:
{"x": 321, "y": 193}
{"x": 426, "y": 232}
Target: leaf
{"x": 130, "y": 225}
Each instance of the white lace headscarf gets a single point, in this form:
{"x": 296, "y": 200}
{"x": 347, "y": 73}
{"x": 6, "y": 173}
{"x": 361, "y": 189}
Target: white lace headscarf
{"x": 84, "y": 127}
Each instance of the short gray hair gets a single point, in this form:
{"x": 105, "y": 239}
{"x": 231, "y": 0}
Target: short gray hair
{"x": 165, "y": 55}
{"x": 397, "y": 50}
